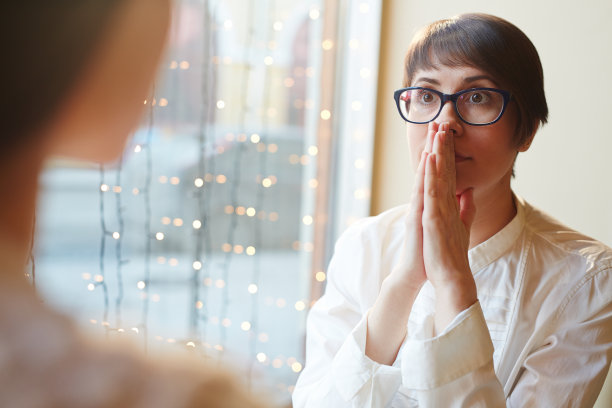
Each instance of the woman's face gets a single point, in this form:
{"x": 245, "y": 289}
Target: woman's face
{"x": 484, "y": 155}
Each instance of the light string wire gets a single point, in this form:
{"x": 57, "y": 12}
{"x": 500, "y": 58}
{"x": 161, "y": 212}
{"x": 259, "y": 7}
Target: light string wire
{"x": 32, "y": 259}
{"x": 104, "y": 233}
{"x": 203, "y": 248}
{"x": 259, "y": 204}
{"x": 237, "y": 168}
{"x": 148, "y": 233}
{"x": 119, "y": 244}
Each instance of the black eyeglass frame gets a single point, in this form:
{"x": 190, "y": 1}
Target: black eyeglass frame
{"x": 448, "y": 97}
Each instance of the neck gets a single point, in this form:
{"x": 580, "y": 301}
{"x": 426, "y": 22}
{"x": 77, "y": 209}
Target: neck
{"x": 495, "y": 208}
{"x": 18, "y": 181}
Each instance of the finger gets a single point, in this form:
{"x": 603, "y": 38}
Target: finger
{"x": 417, "y": 188}
{"x": 432, "y": 128}
{"x": 467, "y": 209}
{"x": 430, "y": 187}
{"x": 449, "y": 139}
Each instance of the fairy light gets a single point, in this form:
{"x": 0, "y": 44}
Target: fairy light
{"x": 222, "y": 182}
{"x": 327, "y": 45}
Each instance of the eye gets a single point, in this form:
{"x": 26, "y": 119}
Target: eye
{"x": 477, "y": 97}
{"x": 426, "y": 97}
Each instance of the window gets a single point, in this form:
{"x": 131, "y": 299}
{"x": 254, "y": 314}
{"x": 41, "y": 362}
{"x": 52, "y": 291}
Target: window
{"x": 212, "y": 233}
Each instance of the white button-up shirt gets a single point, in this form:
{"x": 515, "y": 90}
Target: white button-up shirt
{"x": 540, "y": 335}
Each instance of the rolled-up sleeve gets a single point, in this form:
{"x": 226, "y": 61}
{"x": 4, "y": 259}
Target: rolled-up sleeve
{"x": 455, "y": 368}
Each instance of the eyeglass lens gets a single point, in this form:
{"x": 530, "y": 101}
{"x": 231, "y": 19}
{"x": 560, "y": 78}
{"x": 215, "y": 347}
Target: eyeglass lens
{"x": 476, "y": 107}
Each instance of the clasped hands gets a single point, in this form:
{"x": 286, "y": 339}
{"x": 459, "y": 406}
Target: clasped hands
{"x": 438, "y": 230}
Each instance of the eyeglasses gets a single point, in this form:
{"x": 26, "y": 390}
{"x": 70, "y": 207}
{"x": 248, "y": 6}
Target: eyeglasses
{"x": 476, "y": 106}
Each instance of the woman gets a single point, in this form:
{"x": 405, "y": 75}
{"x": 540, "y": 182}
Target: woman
{"x": 468, "y": 296}
{"x": 74, "y": 77}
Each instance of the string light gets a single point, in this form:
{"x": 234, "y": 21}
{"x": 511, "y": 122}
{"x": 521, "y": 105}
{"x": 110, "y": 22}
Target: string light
{"x": 216, "y": 149}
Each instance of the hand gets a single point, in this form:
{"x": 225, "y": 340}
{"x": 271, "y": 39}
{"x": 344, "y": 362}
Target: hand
{"x": 410, "y": 272}
{"x": 447, "y": 219}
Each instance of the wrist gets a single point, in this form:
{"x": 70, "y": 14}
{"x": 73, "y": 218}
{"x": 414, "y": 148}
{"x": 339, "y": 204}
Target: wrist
{"x": 459, "y": 294}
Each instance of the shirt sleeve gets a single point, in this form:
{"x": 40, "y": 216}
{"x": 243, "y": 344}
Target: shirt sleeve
{"x": 337, "y": 372}
{"x": 455, "y": 368}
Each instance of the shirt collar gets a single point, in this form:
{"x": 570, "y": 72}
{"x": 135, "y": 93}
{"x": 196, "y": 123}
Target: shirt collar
{"x": 490, "y": 250}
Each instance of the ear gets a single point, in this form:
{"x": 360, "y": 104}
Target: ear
{"x": 527, "y": 143}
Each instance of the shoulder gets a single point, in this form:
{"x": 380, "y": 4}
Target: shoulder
{"x": 552, "y": 236}
{"x": 570, "y": 271}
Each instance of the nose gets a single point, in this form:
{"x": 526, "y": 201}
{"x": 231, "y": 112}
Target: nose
{"x": 449, "y": 115}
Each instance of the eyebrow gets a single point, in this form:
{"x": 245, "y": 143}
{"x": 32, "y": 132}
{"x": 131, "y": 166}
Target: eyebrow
{"x": 478, "y": 77}
{"x": 466, "y": 80}
{"x": 429, "y": 80}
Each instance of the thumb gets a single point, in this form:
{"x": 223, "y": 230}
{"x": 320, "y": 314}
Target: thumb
{"x": 467, "y": 209}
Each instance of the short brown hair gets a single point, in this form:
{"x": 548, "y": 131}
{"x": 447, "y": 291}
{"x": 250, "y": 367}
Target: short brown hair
{"x": 493, "y": 45}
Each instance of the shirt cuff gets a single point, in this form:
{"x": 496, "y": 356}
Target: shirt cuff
{"x": 352, "y": 369}
{"x": 464, "y": 346}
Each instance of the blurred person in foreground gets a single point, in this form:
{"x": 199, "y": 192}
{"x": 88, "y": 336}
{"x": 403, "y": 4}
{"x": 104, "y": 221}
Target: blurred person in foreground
{"x": 74, "y": 76}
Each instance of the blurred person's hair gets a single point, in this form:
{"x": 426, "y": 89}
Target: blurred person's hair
{"x": 45, "y": 45}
